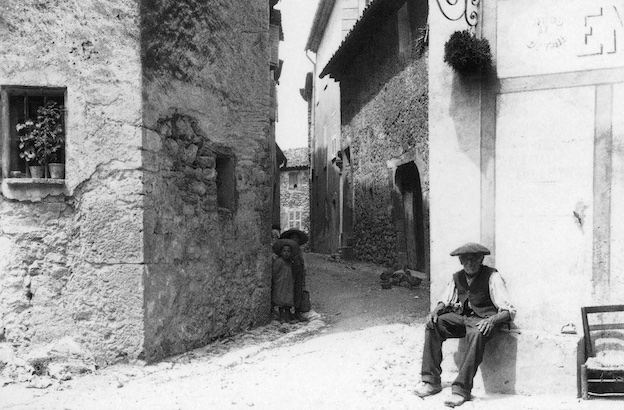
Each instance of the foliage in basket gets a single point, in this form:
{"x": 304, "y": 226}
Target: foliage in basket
{"x": 467, "y": 54}
{"x": 43, "y": 139}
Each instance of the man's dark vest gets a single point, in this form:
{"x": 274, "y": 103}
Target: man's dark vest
{"x": 478, "y": 293}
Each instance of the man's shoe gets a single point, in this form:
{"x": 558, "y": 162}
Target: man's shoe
{"x": 424, "y": 389}
{"x": 284, "y": 315}
{"x": 300, "y": 317}
{"x": 455, "y": 400}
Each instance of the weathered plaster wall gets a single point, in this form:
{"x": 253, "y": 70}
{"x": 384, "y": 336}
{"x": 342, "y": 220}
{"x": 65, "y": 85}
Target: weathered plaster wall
{"x": 454, "y": 159}
{"x": 326, "y": 179}
{"x": 384, "y": 102}
{"x": 544, "y": 174}
{"x": 207, "y": 267}
{"x": 617, "y": 194}
{"x": 326, "y": 123}
{"x": 525, "y": 162}
{"x": 133, "y": 257}
{"x": 72, "y": 262}
{"x": 571, "y": 133}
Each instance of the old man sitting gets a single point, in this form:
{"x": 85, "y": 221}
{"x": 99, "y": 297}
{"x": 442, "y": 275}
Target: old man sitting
{"x": 474, "y": 303}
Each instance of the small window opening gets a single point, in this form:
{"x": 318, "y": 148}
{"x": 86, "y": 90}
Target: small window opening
{"x": 293, "y": 180}
{"x": 34, "y": 130}
{"x": 226, "y": 182}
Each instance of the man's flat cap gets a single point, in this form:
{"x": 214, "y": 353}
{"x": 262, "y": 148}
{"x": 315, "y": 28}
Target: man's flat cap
{"x": 471, "y": 248}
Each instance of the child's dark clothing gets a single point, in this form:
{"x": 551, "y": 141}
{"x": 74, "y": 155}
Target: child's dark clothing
{"x": 282, "y": 294}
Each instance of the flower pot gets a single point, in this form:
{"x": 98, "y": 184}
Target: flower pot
{"x": 36, "y": 171}
{"x": 57, "y": 171}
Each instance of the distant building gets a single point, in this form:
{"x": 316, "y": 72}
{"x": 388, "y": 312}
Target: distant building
{"x": 157, "y": 239}
{"x": 295, "y": 190}
{"x": 369, "y": 139}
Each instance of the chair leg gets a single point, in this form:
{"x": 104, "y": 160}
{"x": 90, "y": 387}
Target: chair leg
{"x": 584, "y": 394}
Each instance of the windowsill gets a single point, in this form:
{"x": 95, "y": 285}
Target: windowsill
{"x": 34, "y": 181}
{"x": 32, "y": 189}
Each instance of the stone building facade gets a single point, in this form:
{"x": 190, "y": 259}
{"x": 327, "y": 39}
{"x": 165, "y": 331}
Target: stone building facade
{"x": 295, "y": 190}
{"x": 157, "y": 239}
{"x": 380, "y": 155}
{"x": 527, "y": 159}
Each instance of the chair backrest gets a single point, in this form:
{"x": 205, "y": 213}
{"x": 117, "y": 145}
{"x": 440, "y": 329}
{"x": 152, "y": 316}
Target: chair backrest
{"x": 603, "y": 327}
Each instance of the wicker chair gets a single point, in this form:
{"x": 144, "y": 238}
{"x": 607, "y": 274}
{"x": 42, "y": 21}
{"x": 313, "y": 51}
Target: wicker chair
{"x": 602, "y": 374}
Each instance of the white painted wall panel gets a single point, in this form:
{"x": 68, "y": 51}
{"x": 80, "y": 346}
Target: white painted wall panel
{"x": 543, "y": 37}
{"x": 454, "y": 162}
{"x": 544, "y": 175}
{"x": 617, "y": 198}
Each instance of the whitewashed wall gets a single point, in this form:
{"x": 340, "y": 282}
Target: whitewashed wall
{"x": 529, "y": 162}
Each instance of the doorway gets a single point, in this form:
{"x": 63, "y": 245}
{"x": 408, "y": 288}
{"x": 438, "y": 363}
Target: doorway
{"x": 407, "y": 180}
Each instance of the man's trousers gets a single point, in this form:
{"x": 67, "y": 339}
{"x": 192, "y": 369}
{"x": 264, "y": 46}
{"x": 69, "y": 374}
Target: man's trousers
{"x": 453, "y": 325}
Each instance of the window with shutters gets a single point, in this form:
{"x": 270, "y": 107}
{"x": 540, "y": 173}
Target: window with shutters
{"x": 294, "y": 218}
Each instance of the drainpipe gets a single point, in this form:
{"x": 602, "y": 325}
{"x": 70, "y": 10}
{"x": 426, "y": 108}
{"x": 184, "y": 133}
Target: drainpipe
{"x": 312, "y": 137}
{"x": 312, "y": 61}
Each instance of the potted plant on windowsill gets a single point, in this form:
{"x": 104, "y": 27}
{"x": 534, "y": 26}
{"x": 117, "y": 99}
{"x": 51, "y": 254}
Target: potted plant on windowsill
{"x": 29, "y": 150}
{"x": 42, "y": 141}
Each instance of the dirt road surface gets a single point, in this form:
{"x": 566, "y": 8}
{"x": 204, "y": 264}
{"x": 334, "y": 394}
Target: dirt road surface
{"x": 360, "y": 351}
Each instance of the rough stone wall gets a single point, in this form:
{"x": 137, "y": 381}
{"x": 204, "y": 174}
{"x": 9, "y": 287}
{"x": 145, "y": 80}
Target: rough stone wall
{"x": 295, "y": 198}
{"x": 385, "y": 115}
{"x": 207, "y": 267}
{"x": 71, "y": 260}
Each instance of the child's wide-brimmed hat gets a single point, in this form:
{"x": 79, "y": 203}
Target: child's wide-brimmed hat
{"x": 280, "y": 243}
{"x": 303, "y": 237}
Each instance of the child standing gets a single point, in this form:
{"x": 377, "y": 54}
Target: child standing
{"x": 282, "y": 294}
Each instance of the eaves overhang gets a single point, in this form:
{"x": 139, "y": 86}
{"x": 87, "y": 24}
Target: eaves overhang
{"x": 280, "y": 158}
{"x": 295, "y": 168}
{"x": 319, "y": 24}
{"x": 375, "y": 14}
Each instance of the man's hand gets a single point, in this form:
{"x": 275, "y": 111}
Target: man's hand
{"x": 432, "y": 318}
{"x": 486, "y": 326}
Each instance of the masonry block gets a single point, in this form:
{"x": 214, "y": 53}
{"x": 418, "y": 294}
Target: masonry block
{"x": 521, "y": 362}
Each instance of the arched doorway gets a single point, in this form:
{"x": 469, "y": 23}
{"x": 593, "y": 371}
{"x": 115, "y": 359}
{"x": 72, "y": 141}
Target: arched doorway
{"x": 407, "y": 179}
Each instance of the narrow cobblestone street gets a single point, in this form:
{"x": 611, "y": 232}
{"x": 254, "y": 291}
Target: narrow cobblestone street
{"x": 360, "y": 351}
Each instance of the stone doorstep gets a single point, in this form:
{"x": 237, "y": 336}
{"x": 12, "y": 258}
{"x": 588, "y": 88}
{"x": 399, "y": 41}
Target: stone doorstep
{"x": 524, "y": 363}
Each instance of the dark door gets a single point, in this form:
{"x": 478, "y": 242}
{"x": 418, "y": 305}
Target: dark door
{"x": 408, "y": 182}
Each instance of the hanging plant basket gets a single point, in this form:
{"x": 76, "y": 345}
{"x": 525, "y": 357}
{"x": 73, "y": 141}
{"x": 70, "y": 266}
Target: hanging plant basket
{"x": 468, "y": 54}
